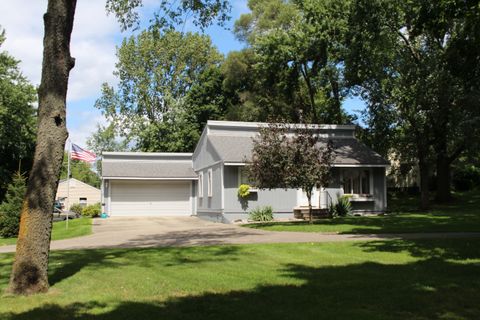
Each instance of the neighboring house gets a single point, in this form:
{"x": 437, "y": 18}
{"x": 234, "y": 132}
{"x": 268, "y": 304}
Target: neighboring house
{"x": 206, "y": 182}
{"x": 78, "y": 191}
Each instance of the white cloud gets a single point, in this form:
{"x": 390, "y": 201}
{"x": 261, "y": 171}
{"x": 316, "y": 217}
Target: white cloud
{"x": 79, "y": 133}
{"x": 92, "y": 44}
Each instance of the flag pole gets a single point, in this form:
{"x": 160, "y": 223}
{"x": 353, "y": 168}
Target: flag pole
{"x": 68, "y": 181}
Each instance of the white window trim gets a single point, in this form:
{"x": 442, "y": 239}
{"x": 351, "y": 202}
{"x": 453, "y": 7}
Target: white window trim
{"x": 200, "y": 185}
{"x": 210, "y": 182}
{"x": 370, "y": 174}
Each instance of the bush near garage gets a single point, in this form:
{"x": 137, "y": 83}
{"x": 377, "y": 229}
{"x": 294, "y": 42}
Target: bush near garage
{"x": 93, "y": 210}
{"x": 77, "y": 208}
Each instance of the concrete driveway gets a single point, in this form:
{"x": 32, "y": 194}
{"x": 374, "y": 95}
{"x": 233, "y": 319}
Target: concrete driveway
{"x": 144, "y": 232}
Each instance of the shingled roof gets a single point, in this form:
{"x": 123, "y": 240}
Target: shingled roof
{"x": 144, "y": 165}
{"x": 348, "y": 151}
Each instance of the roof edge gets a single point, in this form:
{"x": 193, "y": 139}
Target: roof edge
{"x": 240, "y": 124}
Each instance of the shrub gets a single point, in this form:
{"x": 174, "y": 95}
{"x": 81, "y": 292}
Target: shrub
{"x": 244, "y": 190}
{"x": 343, "y": 206}
{"x": 77, "y": 208}
{"x": 466, "y": 178}
{"x": 261, "y": 214}
{"x": 93, "y": 210}
{"x": 11, "y": 207}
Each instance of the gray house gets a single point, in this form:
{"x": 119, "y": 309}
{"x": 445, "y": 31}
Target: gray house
{"x": 206, "y": 182}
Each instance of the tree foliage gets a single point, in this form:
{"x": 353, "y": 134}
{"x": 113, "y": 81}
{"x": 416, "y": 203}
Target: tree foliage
{"x": 298, "y": 52}
{"x": 405, "y": 59}
{"x": 168, "y": 88}
{"x": 17, "y": 118}
{"x": 11, "y": 207}
{"x": 290, "y": 156}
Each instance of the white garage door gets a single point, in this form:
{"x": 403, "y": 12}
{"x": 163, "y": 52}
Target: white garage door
{"x": 150, "y": 198}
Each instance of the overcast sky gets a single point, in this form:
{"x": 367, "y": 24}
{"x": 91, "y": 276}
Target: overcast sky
{"x": 94, "y": 40}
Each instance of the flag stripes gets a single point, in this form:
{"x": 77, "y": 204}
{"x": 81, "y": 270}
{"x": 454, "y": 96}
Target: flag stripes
{"x": 79, "y": 153}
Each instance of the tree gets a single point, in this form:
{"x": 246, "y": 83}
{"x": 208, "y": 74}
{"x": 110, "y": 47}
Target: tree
{"x": 156, "y": 70}
{"x": 17, "y": 119}
{"x": 10, "y": 208}
{"x": 290, "y": 156}
{"x": 403, "y": 59}
{"x": 29, "y": 272}
{"x": 300, "y": 54}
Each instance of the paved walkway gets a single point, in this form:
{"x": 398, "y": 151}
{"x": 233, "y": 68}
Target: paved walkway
{"x": 190, "y": 231}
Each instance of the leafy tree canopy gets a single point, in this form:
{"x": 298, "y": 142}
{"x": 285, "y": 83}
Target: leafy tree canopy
{"x": 17, "y": 118}
{"x": 168, "y": 87}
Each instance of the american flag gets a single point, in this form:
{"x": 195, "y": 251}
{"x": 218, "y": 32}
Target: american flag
{"x": 82, "y": 154}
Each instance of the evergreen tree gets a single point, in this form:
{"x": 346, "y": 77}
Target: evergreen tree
{"x": 11, "y": 206}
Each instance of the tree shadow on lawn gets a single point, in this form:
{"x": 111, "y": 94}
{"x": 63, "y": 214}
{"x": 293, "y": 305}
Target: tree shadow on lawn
{"x": 74, "y": 261}
{"x": 65, "y": 264}
{"x": 428, "y": 289}
{"x": 463, "y": 249}
{"x": 396, "y": 223}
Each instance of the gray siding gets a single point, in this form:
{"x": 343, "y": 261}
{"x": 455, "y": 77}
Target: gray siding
{"x": 282, "y": 201}
{"x": 205, "y": 155}
{"x": 213, "y": 203}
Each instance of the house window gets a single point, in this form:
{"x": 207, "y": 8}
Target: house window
{"x": 200, "y": 185}
{"x": 243, "y": 176}
{"x": 83, "y": 202}
{"x": 209, "y": 183}
{"x": 356, "y": 182}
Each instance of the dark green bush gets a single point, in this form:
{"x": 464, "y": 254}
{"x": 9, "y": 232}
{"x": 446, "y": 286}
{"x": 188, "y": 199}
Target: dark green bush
{"x": 466, "y": 178}
{"x": 261, "y": 214}
{"x": 11, "y": 207}
{"x": 93, "y": 210}
{"x": 343, "y": 207}
{"x": 77, "y": 208}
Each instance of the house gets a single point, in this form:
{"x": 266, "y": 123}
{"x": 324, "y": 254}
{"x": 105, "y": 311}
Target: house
{"x": 206, "y": 182}
{"x": 78, "y": 191}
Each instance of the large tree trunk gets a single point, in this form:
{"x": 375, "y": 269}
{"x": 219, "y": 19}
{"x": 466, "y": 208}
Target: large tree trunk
{"x": 29, "y": 274}
{"x": 310, "y": 209}
{"x": 424, "y": 185}
{"x": 443, "y": 178}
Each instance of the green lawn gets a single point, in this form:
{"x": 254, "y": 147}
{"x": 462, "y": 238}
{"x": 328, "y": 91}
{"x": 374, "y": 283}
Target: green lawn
{"x": 76, "y": 228}
{"x": 434, "y": 279}
{"x": 461, "y": 215}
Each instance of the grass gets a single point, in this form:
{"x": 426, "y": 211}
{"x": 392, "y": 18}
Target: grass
{"x": 76, "y": 228}
{"x": 429, "y": 279}
{"x": 462, "y": 215}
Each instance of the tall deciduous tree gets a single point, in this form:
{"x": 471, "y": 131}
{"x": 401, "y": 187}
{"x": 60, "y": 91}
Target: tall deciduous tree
{"x": 299, "y": 50}
{"x": 29, "y": 273}
{"x": 403, "y": 56}
{"x": 290, "y": 156}
{"x": 17, "y": 119}
{"x": 156, "y": 72}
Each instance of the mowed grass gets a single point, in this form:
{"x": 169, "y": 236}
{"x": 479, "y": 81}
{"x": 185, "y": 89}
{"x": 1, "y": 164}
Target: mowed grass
{"x": 462, "y": 215}
{"x": 76, "y": 228}
{"x": 429, "y": 279}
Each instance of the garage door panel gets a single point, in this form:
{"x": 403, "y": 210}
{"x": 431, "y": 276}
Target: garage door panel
{"x": 137, "y": 198}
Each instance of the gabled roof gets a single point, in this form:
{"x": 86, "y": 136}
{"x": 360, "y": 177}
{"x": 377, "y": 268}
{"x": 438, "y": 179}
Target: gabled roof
{"x": 348, "y": 151}
{"x": 79, "y": 182}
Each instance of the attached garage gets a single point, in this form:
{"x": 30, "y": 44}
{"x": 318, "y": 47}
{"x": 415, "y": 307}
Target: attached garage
{"x": 151, "y": 198}
{"x": 148, "y": 184}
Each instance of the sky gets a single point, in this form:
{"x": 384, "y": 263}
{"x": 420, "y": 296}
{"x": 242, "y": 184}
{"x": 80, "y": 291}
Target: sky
{"x": 94, "y": 40}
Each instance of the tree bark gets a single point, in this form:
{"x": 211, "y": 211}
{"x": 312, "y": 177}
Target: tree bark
{"x": 424, "y": 185}
{"x": 443, "y": 178}
{"x": 310, "y": 209}
{"x": 29, "y": 273}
